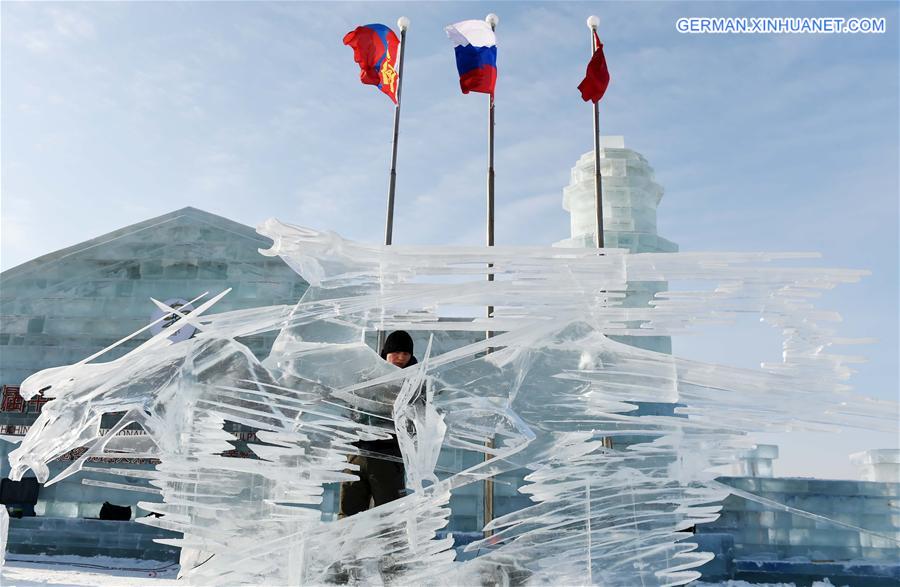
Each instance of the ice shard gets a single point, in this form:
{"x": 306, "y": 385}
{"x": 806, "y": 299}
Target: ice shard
{"x": 4, "y": 531}
{"x": 613, "y": 491}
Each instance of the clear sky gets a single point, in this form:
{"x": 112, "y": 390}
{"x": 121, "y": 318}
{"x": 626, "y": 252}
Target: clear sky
{"x": 113, "y": 113}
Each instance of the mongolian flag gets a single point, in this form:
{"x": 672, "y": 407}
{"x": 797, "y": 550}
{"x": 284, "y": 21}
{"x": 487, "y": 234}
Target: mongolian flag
{"x": 375, "y": 49}
{"x": 596, "y": 79}
{"x": 476, "y": 55}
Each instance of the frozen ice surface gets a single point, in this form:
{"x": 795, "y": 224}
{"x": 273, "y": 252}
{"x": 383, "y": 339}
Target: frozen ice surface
{"x": 4, "y": 533}
{"x": 542, "y": 394}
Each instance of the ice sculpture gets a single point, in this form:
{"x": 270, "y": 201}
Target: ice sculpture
{"x": 4, "y": 530}
{"x": 541, "y": 394}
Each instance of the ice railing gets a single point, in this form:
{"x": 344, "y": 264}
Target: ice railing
{"x": 548, "y": 392}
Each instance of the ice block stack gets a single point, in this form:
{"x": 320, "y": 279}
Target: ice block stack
{"x": 630, "y": 198}
{"x": 867, "y": 528}
{"x": 757, "y": 461}
{"x": 881, "y": 464}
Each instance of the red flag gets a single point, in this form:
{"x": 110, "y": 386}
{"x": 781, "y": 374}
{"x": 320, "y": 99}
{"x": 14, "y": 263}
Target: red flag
{"x": 596, "y": 79}
{"x": 375, "y": 49}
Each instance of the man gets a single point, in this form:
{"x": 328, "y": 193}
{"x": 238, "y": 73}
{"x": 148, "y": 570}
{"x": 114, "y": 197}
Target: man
{"x": 380, "y": 480}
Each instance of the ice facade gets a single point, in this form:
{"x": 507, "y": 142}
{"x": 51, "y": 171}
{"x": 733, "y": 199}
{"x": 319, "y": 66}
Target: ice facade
{"x": 542, "y": 393}
{"x": 59, "y": 308}
{"x": 67, "y": 305}
{"x": 631, "y": 195}
{"x": 766, "y": 530}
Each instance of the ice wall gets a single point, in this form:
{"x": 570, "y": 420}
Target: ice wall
{"x": 540, "y": 394}
{"x": 4, "y": 533}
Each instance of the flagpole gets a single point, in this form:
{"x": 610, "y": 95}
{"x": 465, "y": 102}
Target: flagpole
{"x": 402, "y": 24}
{"x": 592, "y": 23}
{"x": 492, "y": 19}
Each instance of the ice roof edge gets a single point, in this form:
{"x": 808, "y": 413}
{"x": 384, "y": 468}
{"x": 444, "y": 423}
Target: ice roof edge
{"x": 196, "y": 214}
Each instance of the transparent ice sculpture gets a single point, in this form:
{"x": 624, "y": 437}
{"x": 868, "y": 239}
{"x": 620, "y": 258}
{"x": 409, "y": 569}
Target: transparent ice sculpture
{"x": 4, "y": 532}
{"x": 545, "y": 393}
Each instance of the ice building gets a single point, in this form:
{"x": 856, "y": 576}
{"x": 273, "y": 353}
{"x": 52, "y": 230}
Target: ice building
{"x": 631, "y": 196}
{"x": 752, "y": 542}
{"x": 65, "y": 306}
{"x": 805, "y": 529}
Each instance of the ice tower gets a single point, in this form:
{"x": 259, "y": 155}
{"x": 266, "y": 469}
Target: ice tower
{"x": 630, "y": 198}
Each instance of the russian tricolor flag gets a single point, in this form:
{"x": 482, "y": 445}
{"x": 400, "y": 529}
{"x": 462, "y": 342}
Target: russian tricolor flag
{"x": 476, "y": 55}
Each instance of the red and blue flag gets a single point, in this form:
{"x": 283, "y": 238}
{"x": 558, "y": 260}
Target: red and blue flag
{"x": 476, "y": 55}
{"x": 375, "y": 49}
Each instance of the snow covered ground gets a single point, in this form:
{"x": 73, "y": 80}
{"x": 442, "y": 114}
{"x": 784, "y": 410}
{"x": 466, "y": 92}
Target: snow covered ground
{"x": 101, "y": 571}
{"x": 822, "y": 583}
{"x": 83, "y": 571}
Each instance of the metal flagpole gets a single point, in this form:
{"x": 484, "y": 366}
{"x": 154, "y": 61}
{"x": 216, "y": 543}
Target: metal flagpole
{"x": 592, "y": 23}
{"x": 491, "y": 19}
{"x": 402, "y": 24}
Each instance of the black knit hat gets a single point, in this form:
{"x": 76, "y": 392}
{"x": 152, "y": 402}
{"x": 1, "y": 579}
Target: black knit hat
{"x": 398, "y": 341}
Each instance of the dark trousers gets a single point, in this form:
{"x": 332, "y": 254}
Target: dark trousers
{"x": 379, "y": 480}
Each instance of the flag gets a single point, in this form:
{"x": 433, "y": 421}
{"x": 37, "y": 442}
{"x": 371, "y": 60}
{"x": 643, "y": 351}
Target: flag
{"x": 596, "y": 79}
{"x": 476, "y": 55}
{"x": 375, "y": 49}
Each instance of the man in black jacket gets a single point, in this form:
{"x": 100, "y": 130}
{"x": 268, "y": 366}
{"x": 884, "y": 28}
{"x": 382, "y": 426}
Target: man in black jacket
{"x": 380, "y": 479}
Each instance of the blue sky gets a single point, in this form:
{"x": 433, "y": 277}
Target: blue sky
{"x": 113, "y": 113}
